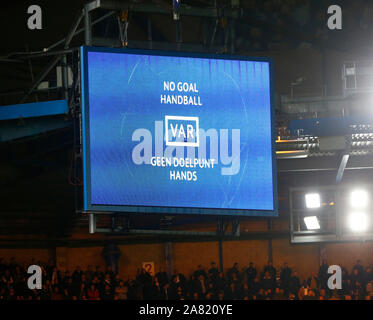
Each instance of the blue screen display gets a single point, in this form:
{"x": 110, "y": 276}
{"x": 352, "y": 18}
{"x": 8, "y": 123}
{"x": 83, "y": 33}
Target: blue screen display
{"x": 172, "y": 133}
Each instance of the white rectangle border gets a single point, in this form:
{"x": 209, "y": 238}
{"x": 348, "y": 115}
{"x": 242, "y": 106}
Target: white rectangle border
{"x": 180, "y": 143}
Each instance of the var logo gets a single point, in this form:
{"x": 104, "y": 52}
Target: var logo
{"x": 182, "y": 131}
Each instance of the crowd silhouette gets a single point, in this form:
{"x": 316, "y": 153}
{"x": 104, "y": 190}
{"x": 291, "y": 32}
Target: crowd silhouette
{"x": 248, "y": 283}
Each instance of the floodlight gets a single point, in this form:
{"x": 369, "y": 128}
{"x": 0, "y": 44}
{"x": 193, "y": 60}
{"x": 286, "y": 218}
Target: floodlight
{"x": 359, "y": 199}
{"x": 312, "y": 223}
{"x": 312, "y": 200}
{"x": 358, "y": 221}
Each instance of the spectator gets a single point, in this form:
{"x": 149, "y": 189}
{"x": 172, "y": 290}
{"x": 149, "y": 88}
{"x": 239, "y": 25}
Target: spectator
{"x": 11, "y": 294}
{"x": 355, "y": 278}
{"x": 199, "y": 286}
{"x": 93, "y": 293}
{"x": 358, "y": 266}
{"x": 211, "y": 291}
{"x": 346, "y": 283}
{"x": 180, "y": 276}
{"x": 56, "y": 295}
{"x": 162, "y": 277}
{"x": 77, "y": 275}
{"x": 285, "y": 275}
{"x": 267, "y": 281}
{"x": 260, "y": 294}
{"x": 233, "y": 271}
{"x": 367, "y": 275}
{"x": 279, "y": 294}
{"x": 245, "y": 291}
{"x": 84, "y": 280}
{"x": 335, "y": 295}
{"x": 110, "y": 272}
{"x": 55, "y": 277}
{"x": 89, "y": 273}
{"x": 358, "y": 291}
{"x": 213, "y": 272}
{"x": 7, "y": 278}
{"x": 165, "y": 292}
{"x": 209, "y": 296}
{"x": 232, "y": 292}
{"x": 221, "y": 283}
{"x": 82, "y": 291}
{"x": 294, "y": 283}
{"x": 3, "y": 265}
{"x": 256, "y": 286}
{"x": 323, "y": 274}
{"x": 270, "y": 269}
{"x": 200, "y": 271}
{"x": 221, "y": 295}
{"x": 107, "y": 293}
{"x": 98, "y": 273}
{"x": 180, "y": 294}
{"x": 251, "y": 274}
{"x": 310, "y": 296}
{"x": 322, "y": 295}
{"x": 68, "y": 289}
{"x": 369, "y": 288}
{"x": 173, "y": 290}
{"x": 303, "y": 291}
{"x": 313, "y": 282}
{"x": 156, "y": 293}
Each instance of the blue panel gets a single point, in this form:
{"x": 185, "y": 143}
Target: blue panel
{"x": 10, "y": 131}
{"x": 36, "y": 109}
{"x": 177, "y": 133}
{"x": 327, "y": 126}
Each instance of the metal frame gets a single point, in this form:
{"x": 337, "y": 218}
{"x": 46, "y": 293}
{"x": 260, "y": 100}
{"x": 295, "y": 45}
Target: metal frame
{"x": 163, "y": 8}
{"x": 314, "y": 236}
{"x": 125, "y": 229}
{"x": 89, "y": 207}
{"x": 115, "y": 6}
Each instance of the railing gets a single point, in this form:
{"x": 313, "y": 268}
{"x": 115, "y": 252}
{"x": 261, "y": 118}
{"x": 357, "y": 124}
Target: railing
{"x": 357, "y": 76}
{"x": 297, "y": 91}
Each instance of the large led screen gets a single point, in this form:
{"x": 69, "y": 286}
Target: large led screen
{"x": 177, "y": 133}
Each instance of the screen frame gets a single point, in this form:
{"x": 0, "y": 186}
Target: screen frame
{"x": 87, "y": 204}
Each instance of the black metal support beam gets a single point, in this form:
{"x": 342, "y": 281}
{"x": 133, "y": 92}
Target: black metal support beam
{"x": 73, "y": 28}
{"x": 221, "y": 260}
{"x": 156, "y": 232}
{"x": 150, "y": 33}
{"x": 65, "y": 80}
{"x": 54, "y": 61}
{"x": 87, "y": 26}
{"x": 169, "y": 258}
{"x": 77, "y": 32}
{"x": 165, "y": 8}
{"x": 40, "y": 77}
{"x": 157, "y": 45}
{"x": 329, "y": 163}
{"x": 270, "y": 255}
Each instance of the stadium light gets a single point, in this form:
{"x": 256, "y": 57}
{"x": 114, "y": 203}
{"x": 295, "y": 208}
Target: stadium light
{"x": 359, "y": 199}
{"x": 358, "y": 221}
{"x": 312, "y": 200}
{"x": 312, "y": 223}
